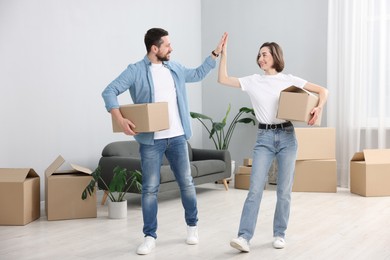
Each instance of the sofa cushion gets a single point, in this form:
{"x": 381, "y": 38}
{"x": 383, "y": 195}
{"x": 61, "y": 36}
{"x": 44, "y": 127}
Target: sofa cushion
{"x": 167, "y": 175}
{"x": 207, "y": 167}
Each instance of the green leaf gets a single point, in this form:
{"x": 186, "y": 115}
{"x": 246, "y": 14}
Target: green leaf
{"x": 199, "y": 116}
{"x": 226, "y": 115}
{"x": 121, "y": 182}
{"x": 217, "y": 134}
{"x": 246, "y": 120}
{"x": 84, "y": 195}
{"x": 219, "y": 126}
{"x": 246, "y": 110}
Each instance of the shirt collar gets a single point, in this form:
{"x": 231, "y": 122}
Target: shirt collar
{"x": 148, "y": 62}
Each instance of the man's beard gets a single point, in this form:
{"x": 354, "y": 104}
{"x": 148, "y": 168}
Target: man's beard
{"x": 163, "y": 58}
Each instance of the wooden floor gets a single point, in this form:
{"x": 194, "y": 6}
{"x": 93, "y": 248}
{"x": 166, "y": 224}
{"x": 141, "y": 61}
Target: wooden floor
{"x": 322, "y": 226}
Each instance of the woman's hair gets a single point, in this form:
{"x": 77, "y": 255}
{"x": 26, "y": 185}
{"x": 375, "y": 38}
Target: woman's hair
{"x": 277, "y": 55}
{"x": 153, "y": 37}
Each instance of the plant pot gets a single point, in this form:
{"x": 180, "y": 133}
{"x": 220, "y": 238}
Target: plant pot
{"x": 117, "y": 210}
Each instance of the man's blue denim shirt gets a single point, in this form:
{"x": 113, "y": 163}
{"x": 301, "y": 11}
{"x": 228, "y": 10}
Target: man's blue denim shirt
{"x": 137, "y": 79}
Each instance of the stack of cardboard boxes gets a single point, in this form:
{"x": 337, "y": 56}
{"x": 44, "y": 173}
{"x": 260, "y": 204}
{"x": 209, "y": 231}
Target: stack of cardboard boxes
{"x": 242, "y": 176}
{"x": 316, "y": 167}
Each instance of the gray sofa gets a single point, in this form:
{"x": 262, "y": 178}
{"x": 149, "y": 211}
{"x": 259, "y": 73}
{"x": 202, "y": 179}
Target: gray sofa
{"x": 206, "y": 165}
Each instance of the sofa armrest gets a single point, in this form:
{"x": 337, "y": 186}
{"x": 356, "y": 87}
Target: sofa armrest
{"x": 211, "y": 154}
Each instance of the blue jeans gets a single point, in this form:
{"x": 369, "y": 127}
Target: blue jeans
{"x": 176, "y": 151}
{"x": 270, "y": 144}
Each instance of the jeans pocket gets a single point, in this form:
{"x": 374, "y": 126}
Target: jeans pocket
{"x": 261, "y": 132}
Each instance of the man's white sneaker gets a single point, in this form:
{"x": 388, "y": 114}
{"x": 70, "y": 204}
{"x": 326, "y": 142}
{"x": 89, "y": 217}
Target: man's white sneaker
{"x": 279, "y": 243}
{"x": 192, "y": 235}
{"x": 240, "y": 243}
{"x": 147, "y": 246}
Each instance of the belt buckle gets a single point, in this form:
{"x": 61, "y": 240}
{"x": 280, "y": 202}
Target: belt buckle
{"x": 273, "y": 127}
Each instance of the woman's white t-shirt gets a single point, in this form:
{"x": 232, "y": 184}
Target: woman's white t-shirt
{"x": 264, "y": 91}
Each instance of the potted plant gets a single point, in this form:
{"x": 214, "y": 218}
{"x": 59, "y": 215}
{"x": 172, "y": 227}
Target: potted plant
{"x": 217, "y": 133}
{"x": 121, "y": 182}
{"x": 216, "y": 130}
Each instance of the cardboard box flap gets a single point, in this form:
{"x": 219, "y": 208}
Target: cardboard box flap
{"x": 359, "y": 156}
{"x": 54, "y": 166}
{"x": 295, "y": 89}
{"x": 16, "y": 175}
{"x": 81, "y": 169}
{"x": 377, "y": 156}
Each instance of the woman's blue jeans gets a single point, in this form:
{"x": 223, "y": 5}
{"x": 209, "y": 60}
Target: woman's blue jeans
{"x": 270, "y": 144}
{"x": 176, "y": 151}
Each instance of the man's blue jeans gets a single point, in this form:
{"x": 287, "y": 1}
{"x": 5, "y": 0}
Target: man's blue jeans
{"x": 282, "y": 145}
{"x": 176, "y": 151}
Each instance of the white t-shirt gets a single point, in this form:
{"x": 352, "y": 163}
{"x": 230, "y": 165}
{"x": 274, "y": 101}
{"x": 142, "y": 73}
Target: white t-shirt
{"x": 165, "y": 91}
{"x": 264, "y": 91}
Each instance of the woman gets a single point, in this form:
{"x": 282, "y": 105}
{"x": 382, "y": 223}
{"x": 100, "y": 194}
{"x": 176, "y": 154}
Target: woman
{"x": 275, "y": 138}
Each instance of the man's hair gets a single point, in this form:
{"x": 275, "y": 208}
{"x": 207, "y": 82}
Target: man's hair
{"x": 153, "y": 37}
{"x": 277, "y": 55}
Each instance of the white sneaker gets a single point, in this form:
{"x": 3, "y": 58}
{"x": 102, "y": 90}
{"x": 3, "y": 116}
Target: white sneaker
{"x": 192, "y": 235}
{"x": 279, "y": 243}
{"x": 147, "y": 246}
{"x": 240, "y": 243}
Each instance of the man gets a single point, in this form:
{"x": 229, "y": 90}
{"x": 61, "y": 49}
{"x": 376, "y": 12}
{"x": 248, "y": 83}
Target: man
{"x": 157, "y": 79}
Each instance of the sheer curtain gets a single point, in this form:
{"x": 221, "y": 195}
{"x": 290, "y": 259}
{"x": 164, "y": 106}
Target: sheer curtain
{"x": 358, "y": 78}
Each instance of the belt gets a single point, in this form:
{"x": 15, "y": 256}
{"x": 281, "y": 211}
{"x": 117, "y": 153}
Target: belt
{"x": 275, "y": 126}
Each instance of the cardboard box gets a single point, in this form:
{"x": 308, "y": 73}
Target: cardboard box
{"x": 370, "y": 172}
{"x": 315, "y": 176}
{"x": 148, "y": 117}
{"x": 247, "y": 162}
{"x": 19, "y": 196}
{"x": 63, "y": 192}
{"x": 272, "y": 173}
{"x": 244, "y": 170}
{"x": 316, "y": 143}
{"x": 242, "y": 181}
{"x": 295, "y": 104}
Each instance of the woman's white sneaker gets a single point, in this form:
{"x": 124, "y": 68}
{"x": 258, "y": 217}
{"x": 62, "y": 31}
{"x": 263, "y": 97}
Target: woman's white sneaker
{"x": 192, "y": 235}
{"x": 240, "y": 243}
{"x": 279, "y": 243}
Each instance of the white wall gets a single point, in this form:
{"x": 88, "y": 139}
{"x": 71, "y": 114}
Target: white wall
{"x": 299, "y": 26}
{"x": 57, "y": 57}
